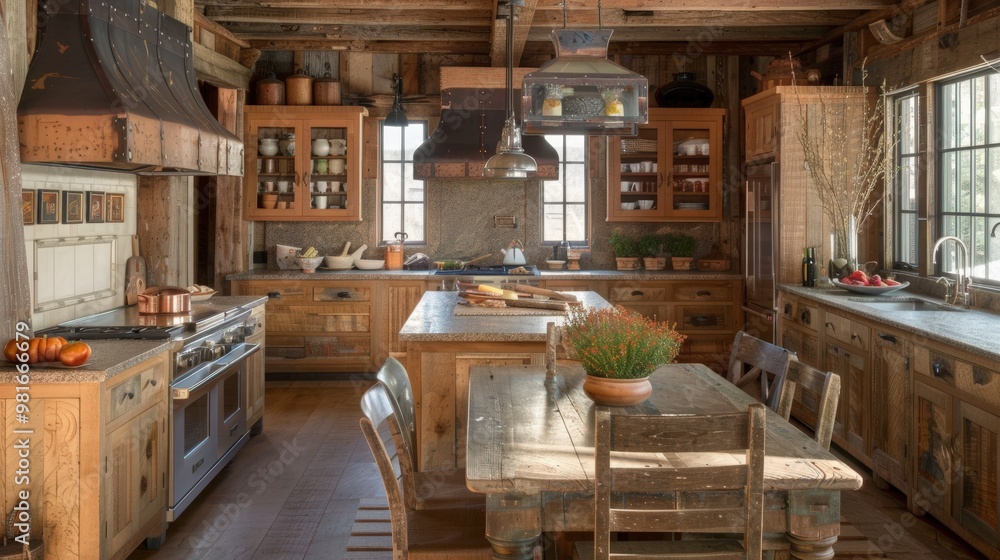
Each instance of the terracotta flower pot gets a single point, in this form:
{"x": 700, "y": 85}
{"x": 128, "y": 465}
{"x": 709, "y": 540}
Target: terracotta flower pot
{"x": 617, "y": 392}
{"x": 654, "y": 263}
{"x": 627, "y": 263}
{"x": 681, "y": 263}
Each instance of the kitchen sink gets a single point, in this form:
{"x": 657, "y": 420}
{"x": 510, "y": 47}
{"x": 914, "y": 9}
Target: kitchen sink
{"x": 905, "y": 304}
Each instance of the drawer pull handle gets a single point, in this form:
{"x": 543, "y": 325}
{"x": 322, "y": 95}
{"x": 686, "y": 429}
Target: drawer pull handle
{"x": 788, "y": 309}
{"x": 831, "y": 327}
{"x": 343, "y": 294}
{"x": 273, "y": 295}
{"x": 130, "y": 395}
{"x": 704, "y": 293}
{"x": 887, "y": 337}
{"x": 197, "y": 465}
{"x": 980, "y": 377}
{"x": 805, "y": 317}
{"x": 233, "y": 429}
{"x": 940, "y": 369}
{"x": 638, "y": 293}
{"x": 143, "y": 485}
{"x": 152, "y": 383}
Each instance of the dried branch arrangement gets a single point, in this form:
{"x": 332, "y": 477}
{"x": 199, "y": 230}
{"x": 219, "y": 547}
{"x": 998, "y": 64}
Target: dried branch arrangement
{"x": 846, "y": 149}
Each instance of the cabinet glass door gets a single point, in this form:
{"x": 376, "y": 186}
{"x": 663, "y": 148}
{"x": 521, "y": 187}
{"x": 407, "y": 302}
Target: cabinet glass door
{"x": 694, "y": 181}
{"x": 330, "y": 171}
{"x": 639, "y": 177}
{"x": 277, "y": 169}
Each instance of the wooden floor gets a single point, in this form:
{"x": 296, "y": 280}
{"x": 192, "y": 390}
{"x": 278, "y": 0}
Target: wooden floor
{"x": 294, "y": 492}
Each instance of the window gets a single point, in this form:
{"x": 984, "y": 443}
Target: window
{"x": 403, "y": 207}
{"x": 905, "y": 180}
{"x": 969, "y": 171}
{"x": 564, "y": 202}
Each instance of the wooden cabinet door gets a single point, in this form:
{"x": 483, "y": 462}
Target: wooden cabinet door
{"x": 255, "y": 381}
{"x": 853, "y": 416}
{"x": 135, "y": 478}
{"x": 975, "y": 495}
{"x": 930, "y": 489}
{"x": 401, "y": 300}
{"x": 891, "y": 404}
{"x": 632, "y": 177}
{"x": 762, "y": 121}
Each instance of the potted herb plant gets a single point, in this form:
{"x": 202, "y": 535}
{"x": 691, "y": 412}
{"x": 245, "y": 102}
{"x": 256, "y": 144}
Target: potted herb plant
{"x": 626, "y": 251}
{"x": 649, "y": 248}
{"x": 681, "y": 248}
{"x": 618, "y": 349}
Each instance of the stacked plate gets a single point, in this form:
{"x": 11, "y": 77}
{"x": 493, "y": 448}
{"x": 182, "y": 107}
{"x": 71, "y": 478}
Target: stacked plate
{"x": 691, "y": 206}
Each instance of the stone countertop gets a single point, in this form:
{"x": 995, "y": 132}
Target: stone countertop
{"x": 434, "y": 320}
{"x": 269, "y": 274}
{"x": 111, "y": 357}
{"x": 972, "y": 330}
{"x": 107, "y": 359}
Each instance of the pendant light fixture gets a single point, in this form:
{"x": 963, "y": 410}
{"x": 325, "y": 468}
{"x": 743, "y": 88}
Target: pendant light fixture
{"x": 397, "y": 117}
{"x": 510, "y": 162}
{"x": 580, "y": 91}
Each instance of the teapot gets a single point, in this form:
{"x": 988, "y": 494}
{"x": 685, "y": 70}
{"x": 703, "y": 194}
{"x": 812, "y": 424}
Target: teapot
{"x": 514, "y": 253}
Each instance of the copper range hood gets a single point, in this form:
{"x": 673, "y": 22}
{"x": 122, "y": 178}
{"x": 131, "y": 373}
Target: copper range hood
{"x": 473, "y": 112}
{"x": 112, "y": 86}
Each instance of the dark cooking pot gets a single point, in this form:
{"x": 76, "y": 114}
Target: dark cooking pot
{"x": 166, "y": 300}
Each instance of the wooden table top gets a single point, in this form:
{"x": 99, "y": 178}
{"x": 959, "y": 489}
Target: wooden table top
{"x": 525, "y": 438}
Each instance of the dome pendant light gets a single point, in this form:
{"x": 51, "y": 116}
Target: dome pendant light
{"x": 397, "y": 117}
{"x": 510, "y": 162}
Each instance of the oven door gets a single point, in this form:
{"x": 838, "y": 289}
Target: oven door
{"x": 209, "y": 418}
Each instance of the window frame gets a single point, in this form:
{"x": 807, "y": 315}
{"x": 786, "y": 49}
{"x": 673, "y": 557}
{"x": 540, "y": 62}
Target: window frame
{"x": 382, "y": 162}
{"x": 913, "y": 94}
{"x": 564, "y": 164}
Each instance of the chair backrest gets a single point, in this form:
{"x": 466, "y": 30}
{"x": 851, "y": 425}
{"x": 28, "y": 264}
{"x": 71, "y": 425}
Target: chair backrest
{"x": 553, "y": 336}
{"x": 393, "y": 377}
{"x": 825, "y": 385}
{"x": 378, "y": 414}
{"x": 753, "y": 359}
{"x": 722, "y": 433}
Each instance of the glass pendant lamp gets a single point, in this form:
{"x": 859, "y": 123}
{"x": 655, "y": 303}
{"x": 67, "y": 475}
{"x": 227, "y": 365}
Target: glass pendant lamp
{"x": 510, "y": 161}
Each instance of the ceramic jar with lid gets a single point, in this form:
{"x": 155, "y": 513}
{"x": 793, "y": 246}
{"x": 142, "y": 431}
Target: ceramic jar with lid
{"x": 326, "y": 90}
{"x": 287, "y": 144}
{"x": 298, "y": 88}
{"x": 267, "y": 146}
{"x": 270, "y": 91}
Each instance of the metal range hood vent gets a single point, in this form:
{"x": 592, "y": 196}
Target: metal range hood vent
{"x": 472, "y": 118}
{"x": 112, "y": 86}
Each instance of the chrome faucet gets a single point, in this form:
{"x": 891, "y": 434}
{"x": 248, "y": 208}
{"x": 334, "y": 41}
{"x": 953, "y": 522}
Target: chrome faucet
{"x": 963, "y": 275}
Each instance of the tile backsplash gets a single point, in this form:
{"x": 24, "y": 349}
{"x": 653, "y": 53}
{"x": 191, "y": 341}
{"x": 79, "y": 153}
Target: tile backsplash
{"x": 77, "y": 269}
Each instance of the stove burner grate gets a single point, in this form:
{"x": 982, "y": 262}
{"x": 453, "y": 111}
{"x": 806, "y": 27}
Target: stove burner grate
{"x": 110, "y": 333}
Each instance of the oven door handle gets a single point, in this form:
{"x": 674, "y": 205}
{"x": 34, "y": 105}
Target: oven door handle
{"x": 183, "y": 390}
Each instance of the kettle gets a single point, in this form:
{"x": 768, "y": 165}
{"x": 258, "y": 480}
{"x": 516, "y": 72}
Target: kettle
{"x": 512, "y": 254}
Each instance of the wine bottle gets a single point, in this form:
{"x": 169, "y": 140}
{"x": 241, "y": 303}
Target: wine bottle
{"x": 809, "y": 268}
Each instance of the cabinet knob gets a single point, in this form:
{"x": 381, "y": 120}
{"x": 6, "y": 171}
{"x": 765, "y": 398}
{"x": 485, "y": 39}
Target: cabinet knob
{"x": 788, "y": 309}
{"x": 344, "y": 294}
{"x": 806, "y": 317}
{"x": 704, "y": 293}
{"x": 940, "y": 369}
{"x": 143, "y": 484}
{"x": 129, "y": 395}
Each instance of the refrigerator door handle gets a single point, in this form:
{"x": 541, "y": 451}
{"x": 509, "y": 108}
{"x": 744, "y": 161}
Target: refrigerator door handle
{"x": 747, "y": 273}
{"x": 769, "y": 317}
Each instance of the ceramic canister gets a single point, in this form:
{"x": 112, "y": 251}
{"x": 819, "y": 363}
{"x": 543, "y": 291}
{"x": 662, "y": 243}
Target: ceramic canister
{"x": 270, "y": 91}
{"x": 298, "y": 88}
{"x": 326, "y": 91}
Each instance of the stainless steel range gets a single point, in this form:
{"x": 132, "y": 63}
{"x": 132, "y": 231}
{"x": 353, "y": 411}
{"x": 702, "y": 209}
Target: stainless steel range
{"x": 494, "y": 275}
{"x": 208, "y": 381}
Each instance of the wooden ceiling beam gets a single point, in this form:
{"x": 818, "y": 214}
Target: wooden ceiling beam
{"x": 736, "y": 48}
{"x": 523, "y": 21}
{"x": 436, "y": 5}
{"x": 862, "y": 21}
{"x": 717, "y": 5}
{"x": 632, "y": 18}
{"x": 705, "y": 36}
{"x": 252, "y": 14}
{"x": 280, "y": 31}
{"x": 400, "y": 47}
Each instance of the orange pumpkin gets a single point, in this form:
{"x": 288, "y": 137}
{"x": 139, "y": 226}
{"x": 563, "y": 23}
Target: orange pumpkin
{"x": 41, "y": 349}
{"x": 74, "y": 353}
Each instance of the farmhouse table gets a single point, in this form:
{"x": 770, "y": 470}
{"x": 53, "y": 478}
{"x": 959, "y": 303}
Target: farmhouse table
{"x": 531, "y": 450}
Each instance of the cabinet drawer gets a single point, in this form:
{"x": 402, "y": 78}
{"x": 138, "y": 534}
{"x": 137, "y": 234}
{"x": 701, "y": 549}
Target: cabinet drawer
{"x": 804, "y": 344}
{"x": 935, "y": 365}
{"x": 287, "y": 293}
{"x": 801, "y": 313}
{"x": 151, "y": 382}
{"x": 353, "y": 317}
{"x": 638, "y": 293}
{"x": 342, "y": 293}
{"x": 979, "y": 382}
{"x": 847, "y": 331}
{"x": 312, "y": 347}
{"x": 125, "y": 397}
{"x": 704, "y": 291}
{"x": 704, "y": 317}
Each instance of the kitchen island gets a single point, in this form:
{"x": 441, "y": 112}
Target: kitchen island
{"x": 441, "y": 347}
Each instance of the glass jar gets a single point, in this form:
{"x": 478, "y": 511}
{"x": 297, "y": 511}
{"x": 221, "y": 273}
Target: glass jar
{"x": 613, "y": 106}
{"x": 552, "y": 105}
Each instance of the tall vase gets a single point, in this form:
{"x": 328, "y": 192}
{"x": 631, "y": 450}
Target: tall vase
{"x": 844, "y": 249}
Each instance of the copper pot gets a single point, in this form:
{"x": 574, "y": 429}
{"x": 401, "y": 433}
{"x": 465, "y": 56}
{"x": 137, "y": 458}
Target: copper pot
{"x": 326, "y": 91}
{"x": 270, "y": 91}
{"x": 298, "y": 88}
{"x": 165, "y": 300}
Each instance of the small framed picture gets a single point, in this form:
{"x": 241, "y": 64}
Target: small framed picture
{"x": 28, "y": 207}
{"x": 95, "y": 207}
{"x": 115, "y": 212}
{"x": 48, "y": 206}
{"x": 72, "y": 206}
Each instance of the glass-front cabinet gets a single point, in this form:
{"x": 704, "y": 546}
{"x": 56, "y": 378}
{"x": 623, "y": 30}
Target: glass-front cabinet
{"x": 671, "y": 171}
{"x": 303, "y": 163}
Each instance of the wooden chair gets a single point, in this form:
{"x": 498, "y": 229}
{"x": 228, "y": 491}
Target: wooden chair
{"x": 826, "y": 385}
{"x": 444, "y": 533}
{"x": 616, "y": 474}
{"x": 421, "y": 490}
{"x": 752, "y": 360}
{"x": 556, "y": 349}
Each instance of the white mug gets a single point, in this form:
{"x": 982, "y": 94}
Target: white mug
{"x": 647, "y": 166}
{"x": 626, "y": 186}
{"x": 337, "y": 166}
{"x": 283, "y": 186}
{"x": 334, "y": 186}
{"x": 322, "y": 186}
{"x": 321, "y": 201}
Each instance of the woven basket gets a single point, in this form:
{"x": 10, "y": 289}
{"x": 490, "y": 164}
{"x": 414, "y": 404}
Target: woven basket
{"x": 638, "y": 145}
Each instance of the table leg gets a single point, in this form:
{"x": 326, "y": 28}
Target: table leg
{"x": 813, "y": 523}
{"x": 513, "y": 525}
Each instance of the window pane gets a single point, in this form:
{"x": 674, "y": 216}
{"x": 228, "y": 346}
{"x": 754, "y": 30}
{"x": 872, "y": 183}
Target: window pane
{"x": 564, "y": 202}
{"x": 908, "y": 238}
{"x": 948, "y": 116}
{"x": 576, "y": 148}
{"x": 402, "y": 196}
{"x": 994, "y": 251}
{"x": 392, "y": 182}
{"x": 979, "y": 181}
{"x": 553, "y": 191}
{"x": 576, "y": 183}
{"x": 994, "y": 108}
{"x": 392, "y": 136}
{"x": 994, "y": 179}
{"x": 978, "y": 109}
{"x": 908, "y": 185}
{"x": 392, "y": 216}
{"x": 907, "y": 136}
{"x": 414, "y": 137}
{"x": 964, "y": 186}
{"x": 413, "y": 225}
{"x": 964, "y": 113}
{"x": 552, "y": 222}
{"x": 576, "y": 223}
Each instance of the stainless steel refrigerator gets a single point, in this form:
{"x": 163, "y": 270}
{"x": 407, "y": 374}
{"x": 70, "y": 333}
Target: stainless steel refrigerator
{"x": 761, "y": 248}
